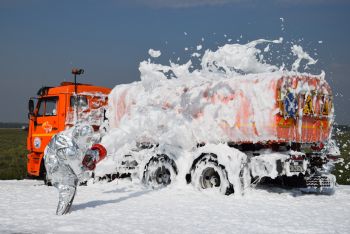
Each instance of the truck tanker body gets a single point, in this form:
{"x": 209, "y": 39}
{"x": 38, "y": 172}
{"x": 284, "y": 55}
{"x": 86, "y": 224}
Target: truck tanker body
{"x": 223, "y": 133}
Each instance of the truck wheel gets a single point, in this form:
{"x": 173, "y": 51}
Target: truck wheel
{"x": 43, "y": 174}
{"x": 159, "y": 171}
{"x": 208, "y": 173}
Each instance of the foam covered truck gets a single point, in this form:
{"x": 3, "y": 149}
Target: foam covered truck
{"x": 224, "y": 124}
{"x": 223, "y": 134}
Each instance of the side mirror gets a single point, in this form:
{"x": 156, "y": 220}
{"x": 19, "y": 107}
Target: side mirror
{"x": 31, "y": 107}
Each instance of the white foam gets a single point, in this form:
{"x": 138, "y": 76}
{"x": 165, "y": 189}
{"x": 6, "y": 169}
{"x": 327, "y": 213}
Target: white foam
{"x": 301, "y": 55}
{"x": 154, "y": 53}
{"x": 176, "y": 104}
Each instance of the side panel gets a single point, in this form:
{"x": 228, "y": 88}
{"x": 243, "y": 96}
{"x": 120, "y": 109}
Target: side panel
{"x": 307, "y": 130}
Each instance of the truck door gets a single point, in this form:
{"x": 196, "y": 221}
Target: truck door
{"x": 47, "y": 122}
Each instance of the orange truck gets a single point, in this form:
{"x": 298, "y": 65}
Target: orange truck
{"x": 58, "y": 108}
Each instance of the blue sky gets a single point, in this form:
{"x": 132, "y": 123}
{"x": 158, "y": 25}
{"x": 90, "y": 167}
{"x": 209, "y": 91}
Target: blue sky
{"x": 41, "y": 40}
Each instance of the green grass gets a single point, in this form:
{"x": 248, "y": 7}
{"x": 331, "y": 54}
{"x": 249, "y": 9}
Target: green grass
{"x": 342, "y": 170}
{"x": 13, "y": 154}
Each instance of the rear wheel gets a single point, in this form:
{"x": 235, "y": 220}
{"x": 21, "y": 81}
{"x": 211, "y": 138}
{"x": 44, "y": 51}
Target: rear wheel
{"x": 207, "y": 173}
{"x": 159, "y": 171}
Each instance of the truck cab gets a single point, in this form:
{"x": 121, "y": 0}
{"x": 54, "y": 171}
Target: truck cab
{"x": 56, "y": 109}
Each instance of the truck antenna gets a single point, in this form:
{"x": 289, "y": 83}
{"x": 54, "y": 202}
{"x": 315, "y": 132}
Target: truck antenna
{"x": 75, "y": 72}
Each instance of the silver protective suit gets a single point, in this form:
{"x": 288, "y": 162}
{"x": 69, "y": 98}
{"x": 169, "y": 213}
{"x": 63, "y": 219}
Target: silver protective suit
{"x": 63, "y": 161}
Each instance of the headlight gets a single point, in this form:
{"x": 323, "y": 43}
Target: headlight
{"x": 37, "y": 142}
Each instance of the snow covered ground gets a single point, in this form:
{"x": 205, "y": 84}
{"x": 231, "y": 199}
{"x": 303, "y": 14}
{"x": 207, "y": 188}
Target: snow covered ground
{"x": 121, "y": 207}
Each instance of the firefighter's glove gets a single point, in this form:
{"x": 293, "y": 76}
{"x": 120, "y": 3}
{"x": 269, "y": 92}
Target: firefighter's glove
{"x": 89, "y": 161}
{"x": 93, "y": 156}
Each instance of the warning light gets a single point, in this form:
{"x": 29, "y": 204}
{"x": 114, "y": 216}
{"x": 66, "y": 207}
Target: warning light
{"x": 76, "y": 71}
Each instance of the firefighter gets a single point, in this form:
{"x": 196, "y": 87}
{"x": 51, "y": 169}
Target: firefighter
{"x": 68, "y": 160}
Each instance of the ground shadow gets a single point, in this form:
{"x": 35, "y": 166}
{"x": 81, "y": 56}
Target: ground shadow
{"x": 295, "y": 192}
{"x": 117, "y": 190}
{"x": 93, "y": 204}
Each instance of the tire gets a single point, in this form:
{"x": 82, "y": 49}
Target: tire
{"x": 207, "y": 173}
{"x": 43, "y": 174}
{"x": 159, "y": 172}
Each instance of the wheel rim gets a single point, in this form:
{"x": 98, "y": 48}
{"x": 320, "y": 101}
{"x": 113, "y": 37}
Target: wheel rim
{"x": 162, "y": 176}
{"x": 210, "y": 178}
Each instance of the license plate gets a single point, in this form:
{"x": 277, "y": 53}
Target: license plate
{"x": 296, "y": 168}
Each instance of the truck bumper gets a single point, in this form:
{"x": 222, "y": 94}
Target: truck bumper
{"x": 34, "y": 160}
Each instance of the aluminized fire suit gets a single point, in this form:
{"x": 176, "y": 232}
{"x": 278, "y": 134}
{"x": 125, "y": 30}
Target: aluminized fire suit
{"x": 63, "y": 161}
